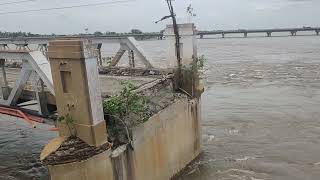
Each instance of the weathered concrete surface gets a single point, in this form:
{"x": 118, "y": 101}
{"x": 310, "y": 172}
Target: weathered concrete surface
{"x": 106, "y": 81}
{"x": 77, "y": 89}
{"x": 167, "y": 142}
{"x": 162, "y": 147}
{"x": 97, "y": 167}
{"x": 188, "y": 44}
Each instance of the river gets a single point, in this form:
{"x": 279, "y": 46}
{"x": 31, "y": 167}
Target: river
{"x": 260, "y": 114}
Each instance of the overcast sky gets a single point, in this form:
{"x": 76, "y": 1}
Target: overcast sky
{"x": 141, "y": 14}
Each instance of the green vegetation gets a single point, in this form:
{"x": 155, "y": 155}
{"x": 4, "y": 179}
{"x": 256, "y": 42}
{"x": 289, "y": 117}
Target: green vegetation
{"x": 123, "y": 111}
{"x": 98, "y": 33}
{"x": 69, "y": 121}
{"x": 107, "y": 60}
{"x": 127, "y": 103}
{"x": 198, "y": 62}
{"x": 196, "y": 65}
{"x": 17, "y": 34}
{"x": 136, "y": 31}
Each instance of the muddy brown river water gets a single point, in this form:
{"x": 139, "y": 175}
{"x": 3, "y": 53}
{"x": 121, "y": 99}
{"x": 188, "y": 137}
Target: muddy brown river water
{"x": 260, "y": 114}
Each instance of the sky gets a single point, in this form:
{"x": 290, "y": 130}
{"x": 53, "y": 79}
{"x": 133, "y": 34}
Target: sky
{"x": 124, "y": 15}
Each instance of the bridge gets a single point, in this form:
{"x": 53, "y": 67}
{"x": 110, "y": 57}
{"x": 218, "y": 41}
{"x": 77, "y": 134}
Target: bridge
{"x": 268, "y": 32}
{"x": 85, "y": 149}
{"x": 103, "y": 38}
{"x": 42, "y": 40}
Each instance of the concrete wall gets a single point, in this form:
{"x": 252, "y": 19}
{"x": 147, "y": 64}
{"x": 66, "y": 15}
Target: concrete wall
{"x": 188, "y": 44}
{"x": 96, "y": 168}
{"x": 166, "y": 143}
{"x": 162, "y": 147}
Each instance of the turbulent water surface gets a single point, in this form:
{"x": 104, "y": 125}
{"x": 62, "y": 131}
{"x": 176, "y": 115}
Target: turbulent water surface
{"x": 260, "y": 113}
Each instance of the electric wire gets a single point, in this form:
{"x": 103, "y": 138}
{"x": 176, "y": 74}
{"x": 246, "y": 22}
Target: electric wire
{"x": 16, "y": 2}
{"x": 67, "y": 7}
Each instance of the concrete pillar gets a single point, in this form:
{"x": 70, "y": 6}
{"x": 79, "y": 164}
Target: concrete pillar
{"x": 4, "y": 47}
{"x": 189, "y": 81}
{"x": 245, "y": 34}
{"x": 42, "y": 47}
{"x": 77, "y": 90}
{"x": 23, "y": 46}
{"x": 188, "y": 44}
{"x": 43, "y": 100}
{"x": 3, "y": 81}
{"x": 293, "y": 33}
{"x": 223, "y": 35}
{"x": 269, "y": 34}
{"x": 201, "y": 36}
{"x": 317, "y": 32}
{"x": 131, "y": 59}
{"x": 99, "y": 46}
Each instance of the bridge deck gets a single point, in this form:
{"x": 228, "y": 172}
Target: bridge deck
{"x": 257, "y": 31}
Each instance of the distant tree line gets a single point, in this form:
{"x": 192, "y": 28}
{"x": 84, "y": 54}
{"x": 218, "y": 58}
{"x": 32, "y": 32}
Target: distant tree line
{"x": 97, "y": 33}
{"x": 17, "y": 34}
{"x": 133, "y": 31}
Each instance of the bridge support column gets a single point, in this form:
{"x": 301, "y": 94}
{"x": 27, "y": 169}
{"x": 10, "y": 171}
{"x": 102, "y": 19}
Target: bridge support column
{"x": 131, "y": 58}
{"x": 23, "y": 46}
{"x": 223, "y": 35}
{"x": 269, "y": 34}
{"x": 99, "y": 56}
{"x": 43, "y": 100}
{"x": 42, "y": 47}
{"x": 317, "y": 32}
{"x": 77, "y": 91}
{"x": 245, "y": 35}
{"x": 201, "y": 36}
{"x": 293, "y": 33}
{"x": 4, "y": 47}
{"x": 188, "y": 44}
{"x": 81, "y": 124}
{"x": 3, "y": 81}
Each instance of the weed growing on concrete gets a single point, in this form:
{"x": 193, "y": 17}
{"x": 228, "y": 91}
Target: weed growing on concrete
{"x": 191, "y": 75}
{"x": 196, "y": 65}
{"x": 69, "y": 121}
{"x": 126, "y": 103}
{"x": 107, "y": 60}
{"x": 124, "y": 110}
{"x": 198, "y": 62}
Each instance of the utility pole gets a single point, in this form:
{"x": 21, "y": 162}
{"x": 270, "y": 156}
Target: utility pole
{"x": 177, "y": 39}
{"x": 176, "y": 33}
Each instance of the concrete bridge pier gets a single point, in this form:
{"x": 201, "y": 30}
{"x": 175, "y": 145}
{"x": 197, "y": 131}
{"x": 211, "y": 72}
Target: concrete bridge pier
{"x": 188, "y": 44}
{"x": 201, "y": 36}
{"x": 161, "y": 146}
{"x": 317, "y": 32}
{"x": 223, "y": 35}
{"x": 131, "y": 59}
{"x": 245, "y": 34}
{"x": 23, "y": 46}
{"x": 3, "y": 81}
{"x": 78, "y": 98}
{"x": 4, "y": 46}
{"x": 42, "y": 47}
{"x": 269, "y": 34}
{"x": 293, "y": 33}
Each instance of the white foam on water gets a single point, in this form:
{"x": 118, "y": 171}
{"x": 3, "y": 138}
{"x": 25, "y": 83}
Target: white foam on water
{"x": 245, "y": 158}
{"x": 211, "y": 138}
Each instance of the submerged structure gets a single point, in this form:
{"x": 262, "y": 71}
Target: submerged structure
{"x": 120, "y": 123}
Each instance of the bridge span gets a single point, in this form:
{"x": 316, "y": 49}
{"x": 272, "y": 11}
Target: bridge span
{"x": 268, "y": 32}
{"x": 116, "y": 38}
